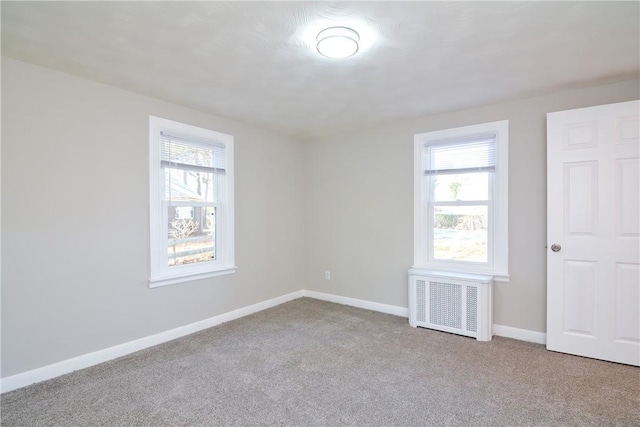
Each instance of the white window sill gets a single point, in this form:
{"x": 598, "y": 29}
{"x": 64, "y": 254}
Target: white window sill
{"x": 461, "y": 274}
{"x": 501, "y": 277}
{"x": 158, "y": 281}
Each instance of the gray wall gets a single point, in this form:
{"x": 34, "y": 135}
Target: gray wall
{"x": 359, "y": 204}
{"x": 75, "y": 226}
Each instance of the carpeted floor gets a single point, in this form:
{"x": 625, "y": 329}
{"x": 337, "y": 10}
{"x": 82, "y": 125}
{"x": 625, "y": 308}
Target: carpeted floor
{"x": 310, "y": 362}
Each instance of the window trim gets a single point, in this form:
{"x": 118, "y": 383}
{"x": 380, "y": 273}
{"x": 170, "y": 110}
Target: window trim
{"x": 160, "y": 273}
{"x": 498, "y": 259}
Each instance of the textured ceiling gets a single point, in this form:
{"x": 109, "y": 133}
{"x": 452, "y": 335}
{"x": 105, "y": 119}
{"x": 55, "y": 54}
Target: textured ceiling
{"x": 256, "y": 61}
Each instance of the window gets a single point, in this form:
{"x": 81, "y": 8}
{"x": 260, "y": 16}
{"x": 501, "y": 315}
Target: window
{"x": 191, "y": 202}
{"x": 461, "y": 218}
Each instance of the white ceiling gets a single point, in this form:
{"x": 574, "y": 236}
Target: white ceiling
{"x": 256, "y": 61}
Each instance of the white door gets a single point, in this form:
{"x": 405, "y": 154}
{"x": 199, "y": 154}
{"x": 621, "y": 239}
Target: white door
{"x": 593, "y": 229}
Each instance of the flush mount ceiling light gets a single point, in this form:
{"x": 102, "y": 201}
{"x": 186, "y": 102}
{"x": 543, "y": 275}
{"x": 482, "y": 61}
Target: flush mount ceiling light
{"x": 337, "y": 42}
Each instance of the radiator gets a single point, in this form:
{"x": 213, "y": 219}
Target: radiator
{"x": 452, "y": 302}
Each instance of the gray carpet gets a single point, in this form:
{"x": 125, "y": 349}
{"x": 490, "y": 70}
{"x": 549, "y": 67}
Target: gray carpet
{"x": 310, "y": 362}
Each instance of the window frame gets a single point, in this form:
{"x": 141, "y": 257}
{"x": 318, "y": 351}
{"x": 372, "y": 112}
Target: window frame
{"x": 160, "y": 273}
{"x": 498, "y": 222}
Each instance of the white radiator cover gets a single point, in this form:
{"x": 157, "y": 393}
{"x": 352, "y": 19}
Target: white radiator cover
{"x": 459, "y": 303}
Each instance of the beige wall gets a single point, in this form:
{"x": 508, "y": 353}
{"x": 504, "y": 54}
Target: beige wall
{"x": 75, "y": 226}
{"x": 359, "y": 204}
{"x": 75, "y": 214}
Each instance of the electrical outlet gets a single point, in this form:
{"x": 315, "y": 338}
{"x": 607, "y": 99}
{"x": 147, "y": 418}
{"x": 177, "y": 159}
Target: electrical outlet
{"x": 327, "y": 275}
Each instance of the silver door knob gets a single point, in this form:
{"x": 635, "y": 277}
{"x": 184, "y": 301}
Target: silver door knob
{"x": 556, "y": 247}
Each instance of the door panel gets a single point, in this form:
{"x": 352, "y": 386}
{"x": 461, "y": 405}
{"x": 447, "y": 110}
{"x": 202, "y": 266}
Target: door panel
{"x": 628, "y": 198}
{"x": 593, "y": 203}
{"x": 580, "y": 297}
{"x": 627, "y": 302}
{"x": 582, "y": 197}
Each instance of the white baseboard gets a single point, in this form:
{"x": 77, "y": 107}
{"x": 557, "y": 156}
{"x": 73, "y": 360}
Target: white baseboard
{"x": 520, "y": 334}
{"x": 66, "y": 366}
{"x": 369, "y": 305}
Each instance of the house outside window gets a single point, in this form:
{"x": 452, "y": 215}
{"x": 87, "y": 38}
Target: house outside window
{"x": 461, "y": 206}
{"x": 191, "y": 202}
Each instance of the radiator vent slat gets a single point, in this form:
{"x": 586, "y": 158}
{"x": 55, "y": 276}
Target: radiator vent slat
{"x": 472, "y": 309}
{"x": 420, "y": 294}
{"x": 445, "y": 304}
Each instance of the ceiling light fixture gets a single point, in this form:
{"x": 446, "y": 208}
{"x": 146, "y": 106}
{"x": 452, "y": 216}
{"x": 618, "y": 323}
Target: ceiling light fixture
{"x": 337, "y": 42}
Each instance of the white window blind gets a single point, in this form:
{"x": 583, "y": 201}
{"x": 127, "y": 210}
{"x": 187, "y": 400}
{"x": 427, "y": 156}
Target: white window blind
{"x": 477, "y": 154}
{"x": 188, "y": 153}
